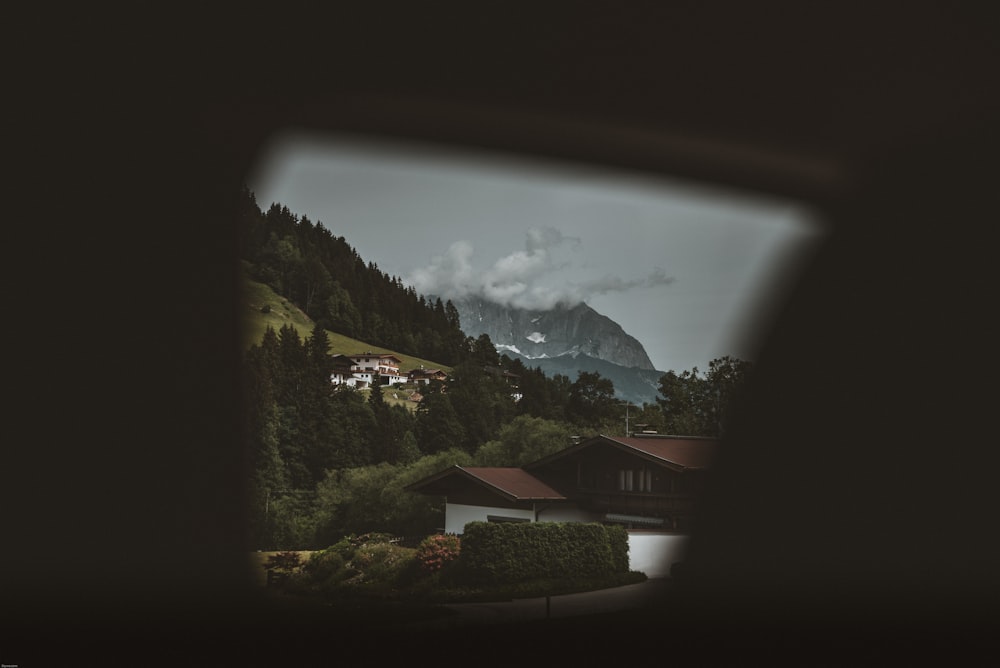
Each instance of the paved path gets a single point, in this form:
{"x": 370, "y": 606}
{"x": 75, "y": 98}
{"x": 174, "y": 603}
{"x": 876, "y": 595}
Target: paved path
{"x": 567, "y": 605}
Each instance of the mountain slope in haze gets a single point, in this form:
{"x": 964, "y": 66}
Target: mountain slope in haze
{"x": 638, "y": 386}
{"x": 547, "y": 334}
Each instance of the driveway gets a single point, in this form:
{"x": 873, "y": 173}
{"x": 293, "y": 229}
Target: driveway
{"x": 568, "y": 605}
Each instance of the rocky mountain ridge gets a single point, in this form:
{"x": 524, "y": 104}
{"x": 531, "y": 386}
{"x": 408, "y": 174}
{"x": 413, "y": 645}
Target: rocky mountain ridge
{"x": 560, "y": 331}
{"x": 564, "y": 340}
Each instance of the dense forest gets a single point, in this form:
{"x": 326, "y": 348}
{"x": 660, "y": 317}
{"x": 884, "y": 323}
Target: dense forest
{"x": 330, "y": 460}
{"x": 323, "y": 275}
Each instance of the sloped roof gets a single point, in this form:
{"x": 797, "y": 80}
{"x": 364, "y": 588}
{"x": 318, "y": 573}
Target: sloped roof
{"x": 515, "y": 484}
{"x": 426, "y": 372}
{"x": 677, "y": 452}
{"x": 376, "y": 356}
{"x": 691, "y": 452}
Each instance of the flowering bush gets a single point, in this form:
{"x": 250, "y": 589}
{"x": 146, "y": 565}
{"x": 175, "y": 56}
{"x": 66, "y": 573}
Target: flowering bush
{"x": 437, "y": 550}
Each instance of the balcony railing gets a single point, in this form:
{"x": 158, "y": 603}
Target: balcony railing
{"x": 640, "y": 502}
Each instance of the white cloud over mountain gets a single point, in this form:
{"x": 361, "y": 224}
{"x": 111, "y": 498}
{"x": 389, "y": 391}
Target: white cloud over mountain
{"x": 536, "y": 278}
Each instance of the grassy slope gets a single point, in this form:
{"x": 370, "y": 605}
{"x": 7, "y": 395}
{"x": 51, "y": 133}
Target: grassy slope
{"x": 257, "y": 295}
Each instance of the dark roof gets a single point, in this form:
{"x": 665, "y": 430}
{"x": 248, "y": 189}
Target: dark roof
{"x": 376, "y": 355}
{"x": 689, "y": 452}
{"x": 514, "y": 483}
{"x": 518, "y": 484}
{"x": 677, "y": 452}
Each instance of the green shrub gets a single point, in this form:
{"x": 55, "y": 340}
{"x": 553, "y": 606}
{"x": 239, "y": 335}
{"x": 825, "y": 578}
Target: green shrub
{"x": 381, "y": 568}
{"x": 348, "y": 546}
{"x": 412, "y": 577}
{"x": 517, "y": 552}
{"x": 374, "y": 559}
{"x": 324, "y": 565}
{"x": 368, "y": 563}
{"x": 369, "y": 538}
{"x": 618, "y": 540}
{"x": 343, "y": 547}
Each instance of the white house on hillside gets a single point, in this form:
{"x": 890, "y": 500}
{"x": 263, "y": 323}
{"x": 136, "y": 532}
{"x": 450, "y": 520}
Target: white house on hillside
{"x": 366, "y": 369}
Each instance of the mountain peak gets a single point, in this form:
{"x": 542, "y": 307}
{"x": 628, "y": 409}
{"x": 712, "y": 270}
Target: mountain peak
{"x": 563, "y": 330}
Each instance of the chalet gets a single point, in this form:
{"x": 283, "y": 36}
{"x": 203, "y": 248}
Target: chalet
{"x": 647, "y": 482}
{"x": 425, "y": 376}
{"x": 342, "y": 373}
{"x": 508, "y": 377}
{"x": 366, "y": 369}
{"x": 643, "y": 481}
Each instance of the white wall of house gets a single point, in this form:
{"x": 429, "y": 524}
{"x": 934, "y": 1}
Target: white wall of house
{"x": 371, "y": 363}
{"x": 457, "y": 515}
{"x": 564, "y": 514}
{"x": 654, "y": 552}
{"x": 349, "y": 381}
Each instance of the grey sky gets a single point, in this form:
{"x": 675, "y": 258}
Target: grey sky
{"x": 684, "y": 269}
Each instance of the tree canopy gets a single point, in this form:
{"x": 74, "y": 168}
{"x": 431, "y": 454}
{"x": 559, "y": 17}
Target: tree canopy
{"x": 698, "y": 405}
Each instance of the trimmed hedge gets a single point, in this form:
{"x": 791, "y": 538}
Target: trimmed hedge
{"x": 517, "y": 552}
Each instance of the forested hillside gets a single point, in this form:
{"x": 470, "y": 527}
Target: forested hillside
{"x": 326, "y": 278}
{"x": 263, "y": 308}
{"x": 329, "y": 460}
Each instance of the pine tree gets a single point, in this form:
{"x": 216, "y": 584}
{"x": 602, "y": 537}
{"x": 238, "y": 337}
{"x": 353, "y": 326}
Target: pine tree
{"x": 438, "y": 426}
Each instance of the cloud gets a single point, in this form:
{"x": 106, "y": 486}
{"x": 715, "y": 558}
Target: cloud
{"x": 615, "y": 284}
{"x": 544, "y": 238}
{"x": 531, "y": 278}
{"x": 449, "y": 275}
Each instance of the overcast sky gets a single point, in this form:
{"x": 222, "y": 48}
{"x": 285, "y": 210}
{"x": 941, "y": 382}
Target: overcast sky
{"x": 683, "y": 269}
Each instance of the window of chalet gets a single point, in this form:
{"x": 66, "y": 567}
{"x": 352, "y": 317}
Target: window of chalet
{"x": 504, "y": 518}
{"x": 639, "y": 480}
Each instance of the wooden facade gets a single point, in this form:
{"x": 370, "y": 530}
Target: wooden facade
{"x": 624, "y": 480}
{"x": 647, "y": 482}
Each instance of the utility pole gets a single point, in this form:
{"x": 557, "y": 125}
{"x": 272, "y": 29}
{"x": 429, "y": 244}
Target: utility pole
{"x": 627, "y": 403}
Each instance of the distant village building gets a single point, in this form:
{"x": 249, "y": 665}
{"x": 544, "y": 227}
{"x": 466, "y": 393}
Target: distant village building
{"x": 366, "y": 370}
{"x": 512, "y": 379}
{"x": 425, "y": 376}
